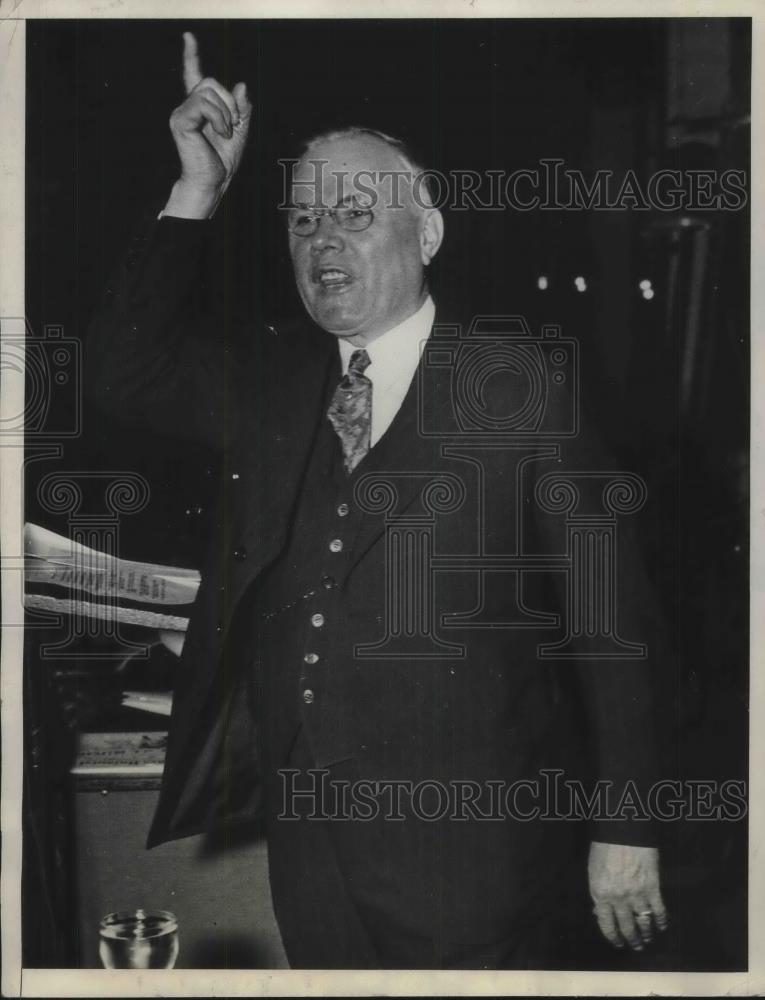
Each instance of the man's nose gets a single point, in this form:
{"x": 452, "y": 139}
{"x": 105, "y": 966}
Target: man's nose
{"x": 328, "y": 235}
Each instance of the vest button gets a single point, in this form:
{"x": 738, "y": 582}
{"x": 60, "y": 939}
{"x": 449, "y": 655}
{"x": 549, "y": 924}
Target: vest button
{"x": 311, "y": 658}
{"x": 342, "y": 510}
{"x": 336, "y": 545}
{"x": 317, "y": 620}
{"x": 328, "y": 582}
{"x": 240, "y": 554}
{"x": 308, "y": 696}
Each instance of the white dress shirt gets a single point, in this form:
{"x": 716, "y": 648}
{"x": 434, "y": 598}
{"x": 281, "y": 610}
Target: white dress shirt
{"x": 393, "y": 357}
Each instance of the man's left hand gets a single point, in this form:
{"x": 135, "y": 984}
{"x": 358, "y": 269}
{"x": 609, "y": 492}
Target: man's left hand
{"x": 624, "y": 885}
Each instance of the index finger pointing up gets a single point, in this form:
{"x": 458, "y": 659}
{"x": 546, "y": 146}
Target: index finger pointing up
{"x": 192, "y": 74}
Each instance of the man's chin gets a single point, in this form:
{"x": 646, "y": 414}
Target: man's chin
{"x": 336, "y": 319}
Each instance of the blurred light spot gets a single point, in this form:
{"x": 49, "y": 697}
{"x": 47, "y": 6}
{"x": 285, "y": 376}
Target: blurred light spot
{"x": 581, "y": 284}
{"x": 542, "y": 282}
{"x": 645, "y": 283}
{"x": 648, "y": 293}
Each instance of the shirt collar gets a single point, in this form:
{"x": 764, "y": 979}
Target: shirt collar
{"x": 394, "y": 355}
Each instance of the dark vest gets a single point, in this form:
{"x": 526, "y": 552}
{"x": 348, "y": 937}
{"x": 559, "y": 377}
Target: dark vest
{"x": 298, "y": 607}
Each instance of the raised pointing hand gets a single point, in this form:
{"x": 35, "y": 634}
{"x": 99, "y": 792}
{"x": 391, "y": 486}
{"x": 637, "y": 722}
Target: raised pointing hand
{"x": 210, "y": 132}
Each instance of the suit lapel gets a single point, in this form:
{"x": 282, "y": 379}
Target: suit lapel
{"x": 408, "y": 455}
{"x": 295, "y": 400}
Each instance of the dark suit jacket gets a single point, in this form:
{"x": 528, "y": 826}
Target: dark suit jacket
{"x": 497, "y": 711}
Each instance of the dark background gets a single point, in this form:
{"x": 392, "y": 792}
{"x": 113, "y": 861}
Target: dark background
{"x": 667, "y": 378}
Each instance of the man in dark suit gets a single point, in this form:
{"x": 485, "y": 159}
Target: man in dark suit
{"x": 325, "y": 652}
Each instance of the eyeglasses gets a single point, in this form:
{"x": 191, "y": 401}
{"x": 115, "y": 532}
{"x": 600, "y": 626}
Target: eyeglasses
{"x": 305, "y": 222}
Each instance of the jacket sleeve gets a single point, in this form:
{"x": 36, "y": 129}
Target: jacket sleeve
{"x": 149, "y": 361}
{"x": 618, "y": 691}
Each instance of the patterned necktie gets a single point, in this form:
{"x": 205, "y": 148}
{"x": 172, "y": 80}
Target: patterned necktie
{"x": 350, "y": 411}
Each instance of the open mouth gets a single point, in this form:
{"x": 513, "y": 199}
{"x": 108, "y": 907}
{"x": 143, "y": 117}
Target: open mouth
{"x": 331, "y": 278}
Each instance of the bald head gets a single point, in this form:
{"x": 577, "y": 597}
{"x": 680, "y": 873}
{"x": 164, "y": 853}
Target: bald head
{"x": 371, "y": 165}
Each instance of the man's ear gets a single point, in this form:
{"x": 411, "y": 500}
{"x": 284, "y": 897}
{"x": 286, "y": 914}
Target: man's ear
{"x": 431, "y": 234}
